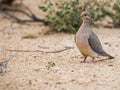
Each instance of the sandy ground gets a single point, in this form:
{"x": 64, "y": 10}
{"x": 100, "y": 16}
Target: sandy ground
{"x": 55, "y": 71}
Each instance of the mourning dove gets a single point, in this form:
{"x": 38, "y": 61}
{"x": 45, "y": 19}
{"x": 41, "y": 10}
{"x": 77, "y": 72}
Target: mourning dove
{"x": 87, "y": 41}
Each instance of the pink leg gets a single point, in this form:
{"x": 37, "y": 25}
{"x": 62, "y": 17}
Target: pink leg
{"x": 93, "y": 59}
{"x": 84, "y": 61}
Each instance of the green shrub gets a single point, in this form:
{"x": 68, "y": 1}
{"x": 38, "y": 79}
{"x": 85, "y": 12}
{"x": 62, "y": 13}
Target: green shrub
{"x": 116, "y": 16}
{"x": 63, "y": 16}
{"x": 97, "y": 9}
{"x": 114, "y": 13}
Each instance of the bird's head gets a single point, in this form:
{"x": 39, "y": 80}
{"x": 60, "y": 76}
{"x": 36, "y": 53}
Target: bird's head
{"x": 85, "y": 16}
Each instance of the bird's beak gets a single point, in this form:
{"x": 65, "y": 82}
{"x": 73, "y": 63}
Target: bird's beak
{"x": 88, "y": 17}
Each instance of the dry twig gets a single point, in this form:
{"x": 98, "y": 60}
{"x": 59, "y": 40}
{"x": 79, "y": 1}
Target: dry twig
{"x": 57, "y": 51}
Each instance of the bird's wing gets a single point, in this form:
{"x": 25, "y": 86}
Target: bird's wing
{"x": 95, "y": 44}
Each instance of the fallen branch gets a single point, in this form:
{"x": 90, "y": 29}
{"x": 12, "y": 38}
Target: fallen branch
{"x": 23, "y": 50}
{"x": 57, "y": 51}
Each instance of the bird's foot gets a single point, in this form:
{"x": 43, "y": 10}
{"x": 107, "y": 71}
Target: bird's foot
{"x": 93, "y": 60}
{"x": 84, "y": 61}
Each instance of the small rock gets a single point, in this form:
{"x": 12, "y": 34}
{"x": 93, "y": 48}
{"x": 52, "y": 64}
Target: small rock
{"x": 37, "y": 69}
{"x": 106, "y": 43}
{"x": 116, "y": 45}
{"x": 109, "y": 45}
{"x": 35, "y": 56}
{"x": 58, "y": 82}
{"x": 30, "y": 82}
{"x": 69, "y": 45}
{"x": 46, "y": 83}
{"x": 110, "y": 65}
{"x": 73, "y": 80}
{"x": 72, "y": 70}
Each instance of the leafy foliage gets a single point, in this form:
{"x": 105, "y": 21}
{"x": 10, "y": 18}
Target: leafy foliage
{"x": 50, "y": 64}
{"x": 97, "y": 9}
{"x": 114, "y": 13}
{"x": 63, "y": 15}
{"x": 116, "y": 16}
{"x": 9, "y": 2}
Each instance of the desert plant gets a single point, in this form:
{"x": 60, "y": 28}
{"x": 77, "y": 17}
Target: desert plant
{"x": 116, "y": 16}
{"x": 114, "y": 13}
{"x": 50, "y": 64}
{"x": 29, "y": 36}
{"x": 64, "y": 15}
{"x": 97, "y": 9}
{"x": 9, "y": 2}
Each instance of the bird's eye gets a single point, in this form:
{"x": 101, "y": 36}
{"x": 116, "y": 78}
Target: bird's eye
{"x": 85, "y": 15}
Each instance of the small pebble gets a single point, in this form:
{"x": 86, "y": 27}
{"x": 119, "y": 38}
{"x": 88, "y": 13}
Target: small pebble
{"x": 110, "y": 65}
{"x": 69, "y": 45}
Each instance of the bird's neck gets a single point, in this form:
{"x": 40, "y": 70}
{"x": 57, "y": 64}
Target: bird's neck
{"x": 85, "y": 27}
{"x": 86, "y": 21}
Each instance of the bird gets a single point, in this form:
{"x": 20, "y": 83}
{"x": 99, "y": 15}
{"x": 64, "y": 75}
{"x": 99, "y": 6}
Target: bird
{"x": 87, "y": 41}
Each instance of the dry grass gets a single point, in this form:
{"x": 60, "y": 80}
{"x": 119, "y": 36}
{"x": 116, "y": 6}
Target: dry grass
{"x": 30, "y": 36}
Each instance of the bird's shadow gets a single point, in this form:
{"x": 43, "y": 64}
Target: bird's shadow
{"x": 96, "y": 61}
{"x": 99, "y": 60}
{"x": 8, "y": 13}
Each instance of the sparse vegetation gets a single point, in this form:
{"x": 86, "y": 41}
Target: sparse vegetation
{"x": 50, "y": 64}
{"x": 29, "y": 36}
{"x": 63, "y": 16}
{"x": 115, "y": 15}
{"x": 97, "y": 9}
{"x": 9, "y": 2}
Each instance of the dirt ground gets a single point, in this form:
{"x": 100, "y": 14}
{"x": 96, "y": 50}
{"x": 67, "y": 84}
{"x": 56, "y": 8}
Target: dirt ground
{"x": 54, "y": 71}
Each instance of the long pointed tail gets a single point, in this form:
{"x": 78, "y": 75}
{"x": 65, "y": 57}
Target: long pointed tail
{"x": 107, "y": 55}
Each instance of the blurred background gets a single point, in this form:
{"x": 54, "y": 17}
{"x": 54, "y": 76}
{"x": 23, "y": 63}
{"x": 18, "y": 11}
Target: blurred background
{"x": 63, "y": 15}
{"x": 37, "y": 48}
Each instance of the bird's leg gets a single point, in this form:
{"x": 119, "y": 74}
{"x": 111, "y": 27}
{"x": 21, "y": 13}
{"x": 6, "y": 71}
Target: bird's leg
{"x": 93, "y": 59}
{"x": 84, "y": 61}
